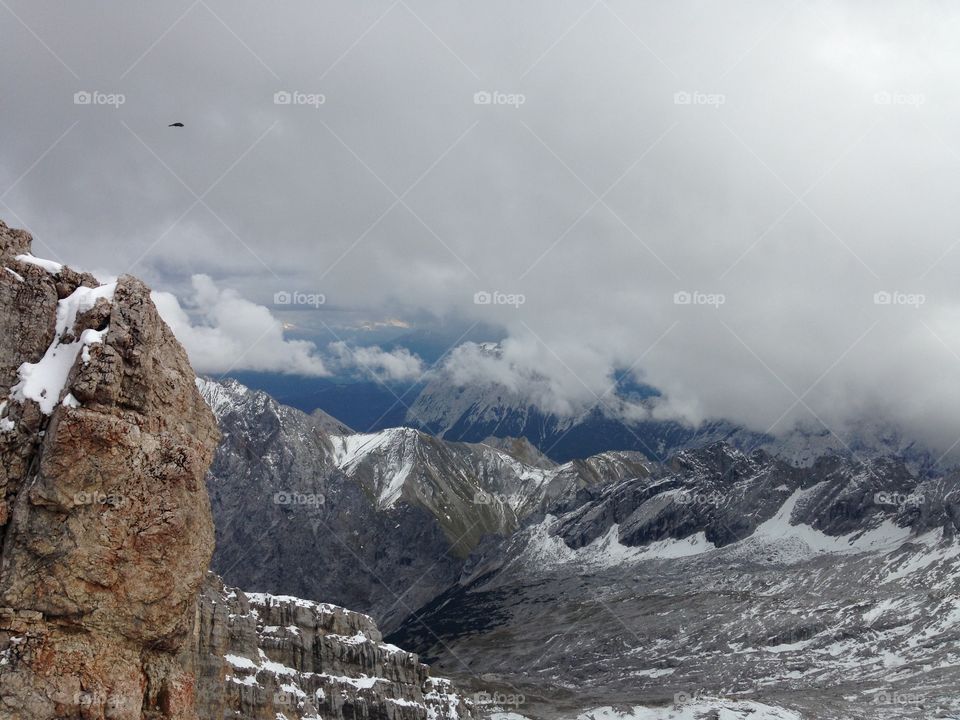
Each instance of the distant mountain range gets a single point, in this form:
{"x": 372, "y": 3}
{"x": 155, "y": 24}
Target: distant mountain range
{"x": 718, "y": 579}
{"x": 441, "y": 406}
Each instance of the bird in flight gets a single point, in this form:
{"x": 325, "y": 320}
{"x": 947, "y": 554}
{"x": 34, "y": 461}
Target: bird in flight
{"x": 176, "y": 124}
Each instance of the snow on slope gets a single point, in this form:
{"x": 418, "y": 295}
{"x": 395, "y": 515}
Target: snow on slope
{"x": 547, "y": 550}
{"x": 399, "y": 450}
{"x": 698, "y": 709}
{"x": 792, "y": 542}
{"x": 788, "y": 542}
{"x": 44, "y": 380}
{"x": 397, "y": 444}
{"x": 217, "y": 396}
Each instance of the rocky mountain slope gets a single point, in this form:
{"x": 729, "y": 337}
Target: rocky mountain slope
{"x": 380, "y": 522}
{"x": 104, "y": 442}
{"x": 719, "y": 578}
{"x": 106, "y": 608}
{"x": 270, "y": 657}
{"x": 717, "y": 581}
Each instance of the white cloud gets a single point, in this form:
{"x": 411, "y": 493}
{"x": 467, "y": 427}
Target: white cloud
{"x": 528, "y": 371}
{"x": 225, "y": 332}
{"x": 397, "y": 364}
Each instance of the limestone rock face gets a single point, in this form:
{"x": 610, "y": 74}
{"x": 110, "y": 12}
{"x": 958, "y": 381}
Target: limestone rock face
{"x": 106, "y": 525}
{"x": 265, "y": 657}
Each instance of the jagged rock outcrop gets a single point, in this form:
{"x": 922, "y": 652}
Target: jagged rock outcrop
{"x": 265, "y": 657}
{"x": 107, "y": 532}
{"x": 107, "y": 535}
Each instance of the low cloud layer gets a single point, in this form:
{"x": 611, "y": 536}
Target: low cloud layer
{"x": 223, "y": 332}
{"x": 751, "y": 206}
{"x": 398, "y": 364}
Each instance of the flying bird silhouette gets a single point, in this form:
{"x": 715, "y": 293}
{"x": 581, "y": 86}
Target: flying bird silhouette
{"x": 176, "y": 124}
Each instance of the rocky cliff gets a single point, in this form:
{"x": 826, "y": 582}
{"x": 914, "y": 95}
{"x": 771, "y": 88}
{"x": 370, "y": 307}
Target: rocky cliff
{"x": 269, "y": 657}
{"x": 106, "y": 606}
{"x": 107, "y": 532}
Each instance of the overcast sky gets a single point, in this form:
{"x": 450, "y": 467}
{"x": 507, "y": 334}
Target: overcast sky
{"x": 780, "y": 162}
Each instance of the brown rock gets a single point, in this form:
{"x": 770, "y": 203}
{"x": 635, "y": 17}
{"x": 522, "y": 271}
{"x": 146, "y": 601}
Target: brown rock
{"x": 106, "y": 521}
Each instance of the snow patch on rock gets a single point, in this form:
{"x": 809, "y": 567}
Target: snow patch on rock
{"x": 44, "y": 380}
{"x": 49, "y": 265}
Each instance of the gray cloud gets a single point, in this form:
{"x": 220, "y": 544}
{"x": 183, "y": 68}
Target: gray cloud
{"x": 795, "y": 158}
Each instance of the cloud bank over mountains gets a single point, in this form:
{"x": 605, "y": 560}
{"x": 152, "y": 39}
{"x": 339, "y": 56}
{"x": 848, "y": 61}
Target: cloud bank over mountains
{"x": 750, "y": 206}
{"x": 223, "y": 333}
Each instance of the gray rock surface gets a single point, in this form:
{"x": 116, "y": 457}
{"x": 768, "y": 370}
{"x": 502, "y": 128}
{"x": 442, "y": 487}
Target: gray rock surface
{"x": 381, "y": 522}
{"x": 831, "y": 590}
{"x": 263, "y": 657}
